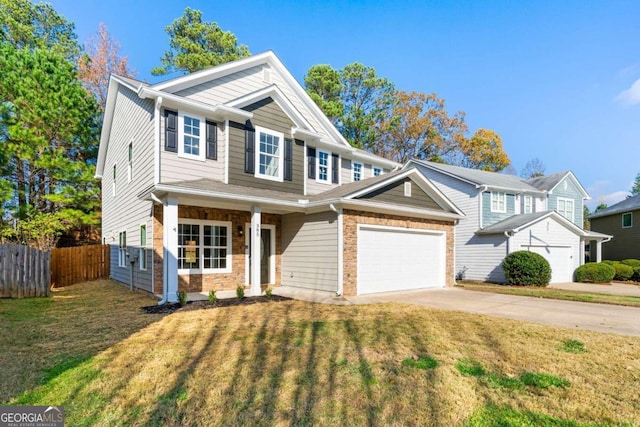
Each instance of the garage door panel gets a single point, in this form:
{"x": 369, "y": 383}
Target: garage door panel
{"x": 560, "y": 260}
{"x": 393, "y": 260}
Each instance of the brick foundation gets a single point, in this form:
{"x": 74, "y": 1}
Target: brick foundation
{"x": 216, "y": 281}
{"x": 351, "y": 219}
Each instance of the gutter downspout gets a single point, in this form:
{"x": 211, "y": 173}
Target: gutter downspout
{"x": 164, "y": 259}
{"x": 338, "y": 211}
{"x": 508, "y": 236}
{"x": 482, "y": 189}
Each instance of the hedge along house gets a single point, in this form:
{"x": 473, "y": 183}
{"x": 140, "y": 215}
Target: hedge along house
{"x": 233, "y": 176}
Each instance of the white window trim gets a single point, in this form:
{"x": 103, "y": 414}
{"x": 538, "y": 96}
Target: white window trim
{"x": 280, "y": 136}
{"x": 495, "y": 198}
{"x": 353, "y": 171}
{"x": 631, "y": 216}
{"x": 329, "y": 171}
{"x": 142, "y": 251}
{"x": 573, "y": 207}
{"x": 530, "y": 207}
{"x": 122, "y": 250}
{"x": 201, "y": 144}
{"x": 202, "y": 223}
{"x": 373, "y": 171}
{"x": 407, "y": 189}
{"x": 130, "y": 161}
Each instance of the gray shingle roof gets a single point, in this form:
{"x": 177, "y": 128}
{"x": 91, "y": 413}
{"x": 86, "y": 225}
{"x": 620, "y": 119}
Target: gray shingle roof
{"x": 206, "y": 184}
{"x": 352, "y": 187}
{"x": 546, "y": 182}
{"x": 630, "y": 204}
{"x": 480, "y": 177}
{"x": 133, "y": 82}
{"x": 513, "y": 223}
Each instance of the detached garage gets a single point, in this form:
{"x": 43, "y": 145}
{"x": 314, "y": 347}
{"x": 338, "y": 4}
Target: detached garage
{"x": 398, "y": 259}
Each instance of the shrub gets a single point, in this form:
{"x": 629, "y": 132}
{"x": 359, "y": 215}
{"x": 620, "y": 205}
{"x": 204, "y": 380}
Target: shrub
{"x": 524, "y": 268}
{"x": 212, "y": 296}
{"x": 593, "y": 272}
{"x": 634, "y": 263}
{"x": 268, "y": 292}
{"x": 240, "y": 292}
{"x": 623, "y": 271}
{"x": 636, "y": 274}
{"x": 182, "y": 298}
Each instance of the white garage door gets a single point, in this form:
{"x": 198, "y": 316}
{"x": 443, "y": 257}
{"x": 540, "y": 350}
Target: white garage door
{"x": 559, "y": 259}
{"x": 396, "y": 259}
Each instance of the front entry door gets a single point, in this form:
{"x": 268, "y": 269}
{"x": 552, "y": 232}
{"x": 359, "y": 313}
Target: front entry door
{"x": 265, "y": 255}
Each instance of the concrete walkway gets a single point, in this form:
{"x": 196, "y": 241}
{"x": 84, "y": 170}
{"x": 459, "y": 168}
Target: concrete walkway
{"x": 595, "y": 317}
{"x": 611, "y": 289}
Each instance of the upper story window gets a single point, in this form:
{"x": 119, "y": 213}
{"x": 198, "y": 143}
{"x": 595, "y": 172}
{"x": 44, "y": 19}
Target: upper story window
{"x": 269, "y": 155}
{"x": 498, "y": 202}
{"x": 528, "y": 204}
{"x": 324, "y": 166}
{"x": 130, "y": 163}
{"x": 190, "y": 137}
{"x": 122, "y": 249}
{"x": 113, "y": 191}
{"x": 377, "y": 171}
{"x": 566, "y": 208}
{"x": 356, "y": 169}
{"x": 204, "y": 246}
{"x": 142, "y": 255}
{"x": 627, "y": 220}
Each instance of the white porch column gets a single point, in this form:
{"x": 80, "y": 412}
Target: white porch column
{"x": 170, "y": 229}
{"x": 256, "y": 242}
{"x": 599, "y": 254}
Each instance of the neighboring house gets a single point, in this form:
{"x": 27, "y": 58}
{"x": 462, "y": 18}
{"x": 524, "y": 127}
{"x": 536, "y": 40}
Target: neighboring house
{"x": 622, "y": 221}
{"x": 197, "y": 169}
{"x": 504, "y": 214}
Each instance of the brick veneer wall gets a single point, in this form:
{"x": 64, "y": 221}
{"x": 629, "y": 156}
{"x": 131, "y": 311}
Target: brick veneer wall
{"x": 206, "y": 282}
{"x": 351, "y": 219}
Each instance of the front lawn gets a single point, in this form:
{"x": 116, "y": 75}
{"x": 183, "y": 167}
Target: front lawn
{"x": 293, "y": 363}
{"x": 551, "y": 293}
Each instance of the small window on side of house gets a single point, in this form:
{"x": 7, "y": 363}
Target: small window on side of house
{"x": 114, "y": 191}
{"x": 122, "y": 249}
{"x": 323, "y": 167}
{"x": 130, "y": 163}
{"x": 377, "y": 171}
{"x": 407, "y": 189}
{"x": 627, "y": 220}
{"x": 357, "y": 171}
{"x": 142, "y": 256}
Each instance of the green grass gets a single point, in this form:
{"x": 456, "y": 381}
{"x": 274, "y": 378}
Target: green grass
{"x": 421, "y": 362}
{"x": 91, "y": 350}
{"x": 573, "y": 346}
{"x": 559, "y": 294}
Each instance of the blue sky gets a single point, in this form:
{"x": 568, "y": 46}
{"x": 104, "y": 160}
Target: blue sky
{"x": 558, "y": 80}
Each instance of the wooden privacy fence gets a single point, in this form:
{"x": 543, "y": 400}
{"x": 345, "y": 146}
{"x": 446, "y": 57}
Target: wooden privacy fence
{"x": 79, "y": 264}
{"x": 24, "y": 271}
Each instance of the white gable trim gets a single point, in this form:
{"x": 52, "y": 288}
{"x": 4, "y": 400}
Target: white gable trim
{"x": 573, "y": 178}
{"x": 112, "y": 90}
{"x": 558, "y": 218}
{"x": 279, "y": 98}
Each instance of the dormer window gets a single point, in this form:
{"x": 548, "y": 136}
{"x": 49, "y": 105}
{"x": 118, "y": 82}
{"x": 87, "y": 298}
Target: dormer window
{"x": 498, "y": 202}
{"x": 190, "y": 137}
{"x": 269, "y": 154}
{"x": 324, "y": 167}
{"x": 356, "y": 169}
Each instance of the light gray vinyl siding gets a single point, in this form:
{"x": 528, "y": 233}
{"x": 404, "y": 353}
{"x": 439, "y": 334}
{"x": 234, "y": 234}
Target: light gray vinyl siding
{"x": 488, "y": 217}
{"x": 175, "y": 168}
{"x": 310, "y": 251}
{"x": 571, "y": 192}
{"x": 132, "y": 122}
{"x": 478, "y": 257}
{"x": 626, "y": 241}
{"x": 394, "y": 193}
{"x": 267, "y": 114}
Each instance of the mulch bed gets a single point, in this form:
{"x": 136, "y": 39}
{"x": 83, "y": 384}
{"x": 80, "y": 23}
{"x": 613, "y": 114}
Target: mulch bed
{"x": 169, "y": 308}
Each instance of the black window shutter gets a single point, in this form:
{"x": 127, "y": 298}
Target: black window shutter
{"x": 170, "y": 131}
{"x": 212, "y": 141}
{"x": 335, "y": 168}
{"x": 288, "y": 160}
{"x": 311, "y": 162}
{"x": 249, "y": 148}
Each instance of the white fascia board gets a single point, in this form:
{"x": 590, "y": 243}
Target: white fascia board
{"x": 218, "y": 111}
{"x": 125, "y": 83}
{"x": 107, "y": 121}
{"x": 305, "y": 134}
{"x": 363, "y": 156}
{"x": 425, "y": 165}
{"x": 558, "y": 218}
{"x": 225, "y": 196}
{"x": 510, "y": 189}
{"x": 386, "y": 208}
{"x": 183, "y": 82}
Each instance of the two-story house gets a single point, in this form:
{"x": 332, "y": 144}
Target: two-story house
{"x": 504, "y": 214}
{"x": 233, "y": 176}
{"x": 621, "y": 221}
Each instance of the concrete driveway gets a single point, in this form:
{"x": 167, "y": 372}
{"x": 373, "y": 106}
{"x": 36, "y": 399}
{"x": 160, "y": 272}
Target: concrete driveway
{"x": 596, "y": 317}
